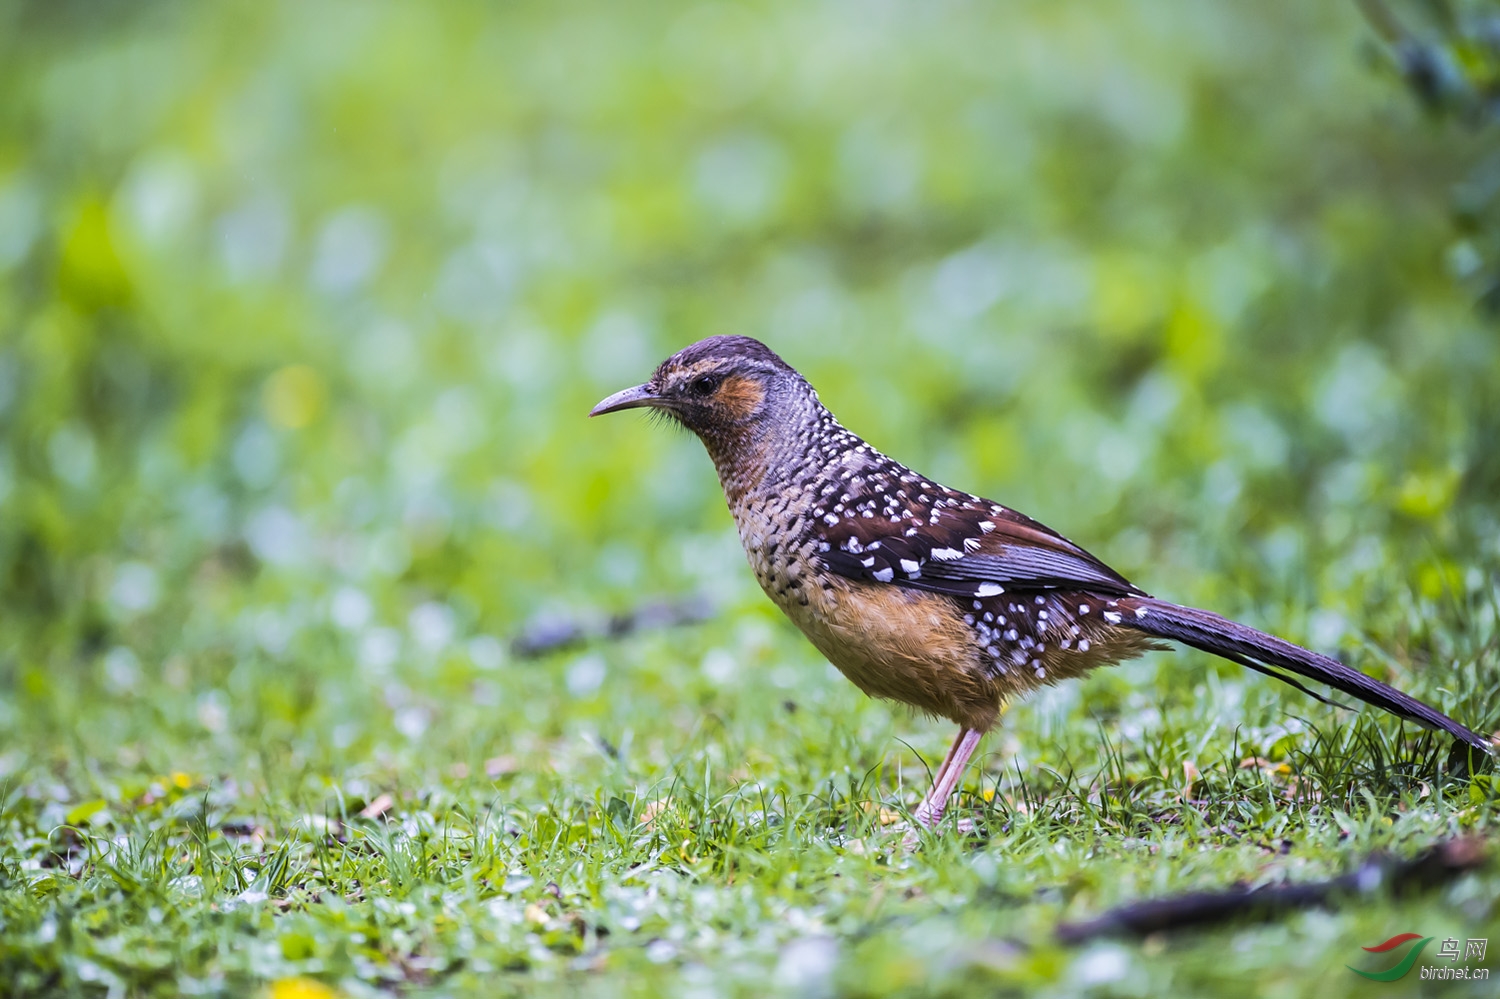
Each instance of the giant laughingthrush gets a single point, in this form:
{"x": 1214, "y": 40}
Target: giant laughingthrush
{"x": 923, "y": 594}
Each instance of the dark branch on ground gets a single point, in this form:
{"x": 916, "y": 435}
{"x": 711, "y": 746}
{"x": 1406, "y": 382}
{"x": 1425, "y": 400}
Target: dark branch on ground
{"x": 549, "y": 633}
{"x": 1378, "y": 874}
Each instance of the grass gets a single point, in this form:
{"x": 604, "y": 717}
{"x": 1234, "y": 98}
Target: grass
{"x": 671, "y": 833}
{"x": 301, "y": 307}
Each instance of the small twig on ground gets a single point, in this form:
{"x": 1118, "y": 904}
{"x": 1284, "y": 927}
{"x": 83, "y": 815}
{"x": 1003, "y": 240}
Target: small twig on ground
{"x": 1199, "y": 909}
{"x": 549, "y": 633}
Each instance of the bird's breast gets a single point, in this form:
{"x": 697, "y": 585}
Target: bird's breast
{"x": 772, "y": 531}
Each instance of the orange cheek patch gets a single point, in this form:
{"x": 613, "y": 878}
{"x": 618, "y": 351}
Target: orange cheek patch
{"x": 740, "y": 397}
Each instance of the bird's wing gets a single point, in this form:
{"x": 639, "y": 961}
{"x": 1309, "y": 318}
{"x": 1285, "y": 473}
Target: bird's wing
{"x": 966, "y": 547}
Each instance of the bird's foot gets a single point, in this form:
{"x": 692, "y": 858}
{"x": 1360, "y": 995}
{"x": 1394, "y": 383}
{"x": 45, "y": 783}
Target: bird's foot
{"x": 926, "y": 820}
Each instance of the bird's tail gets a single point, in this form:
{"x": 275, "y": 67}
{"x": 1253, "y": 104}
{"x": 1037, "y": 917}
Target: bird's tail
{"x": 1268, "y": 654}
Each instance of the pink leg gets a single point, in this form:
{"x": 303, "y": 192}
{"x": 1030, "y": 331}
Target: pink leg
{"x": 930, "y": 812}
{"x": 937, "y": 776}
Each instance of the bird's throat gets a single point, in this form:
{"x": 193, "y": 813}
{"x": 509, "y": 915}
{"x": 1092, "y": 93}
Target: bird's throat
{"x": 741, "y": 460}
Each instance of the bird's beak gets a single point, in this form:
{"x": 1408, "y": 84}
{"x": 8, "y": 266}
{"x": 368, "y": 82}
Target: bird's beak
{"x": 631, "y": 398}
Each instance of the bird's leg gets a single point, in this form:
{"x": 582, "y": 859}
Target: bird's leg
{"x": 930, "y": 812}
{"x": 937, "y": 778}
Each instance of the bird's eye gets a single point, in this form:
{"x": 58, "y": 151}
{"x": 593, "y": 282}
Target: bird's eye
{"x": 705, "y": 385}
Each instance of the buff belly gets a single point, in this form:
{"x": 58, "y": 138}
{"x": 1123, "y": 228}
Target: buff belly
{"x": 901, "y": 645}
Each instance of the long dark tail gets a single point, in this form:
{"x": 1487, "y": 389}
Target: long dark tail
{"x": 1268, "y": 654}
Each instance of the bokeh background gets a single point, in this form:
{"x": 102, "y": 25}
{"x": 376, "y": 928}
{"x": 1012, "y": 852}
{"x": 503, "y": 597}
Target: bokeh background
{"x": 302, "y": 306}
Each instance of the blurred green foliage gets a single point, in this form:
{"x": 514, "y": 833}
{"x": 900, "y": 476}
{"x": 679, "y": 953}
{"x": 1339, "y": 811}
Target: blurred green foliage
{"x": 302, "y": 306}
{"x": 302, "y": 295}
{"x": 1447, "y": 52}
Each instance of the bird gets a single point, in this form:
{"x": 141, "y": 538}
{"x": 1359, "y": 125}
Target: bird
{"x": 938, "y": 599}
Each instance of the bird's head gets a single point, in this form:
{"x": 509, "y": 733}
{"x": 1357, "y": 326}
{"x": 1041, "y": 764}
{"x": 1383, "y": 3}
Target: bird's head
{"x": 719, "y": 388}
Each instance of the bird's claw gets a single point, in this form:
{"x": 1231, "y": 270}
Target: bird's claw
{"x": 913, "y": 835}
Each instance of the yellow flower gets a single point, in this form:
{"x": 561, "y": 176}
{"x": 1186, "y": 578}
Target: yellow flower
{"x": 301, "y": 988}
